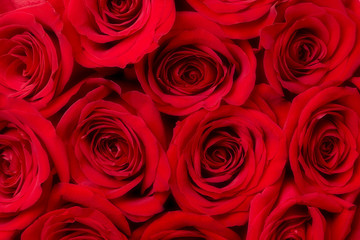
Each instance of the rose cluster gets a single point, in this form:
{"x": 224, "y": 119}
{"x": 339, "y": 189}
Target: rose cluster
{"x": 180, "y": 119}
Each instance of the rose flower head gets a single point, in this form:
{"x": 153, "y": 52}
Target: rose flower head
{"x": 220, "y": 159}
{"x": 197, "y": 67}
{"x": 113, "y": 33}
{"x": 115, "y": 146}
{"x": 312, "y": 43}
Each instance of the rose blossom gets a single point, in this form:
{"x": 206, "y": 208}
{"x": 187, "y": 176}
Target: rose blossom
{"x": 181, "y": 225}
{"x": 35, "y": 57}
{"x": 115, "y": 145}
{"x": 76, "y": 212}
{"x": 111, "y": 33}
{"x": 290, "y": 215}
{"x": 312, "y": 43}
{"x": 28, "y": 149}
{"x": 73, "y": 222}
{"x": 324, "y": 140}
{"x": 238, "y": 19}
{"x": 219, "y": 160}
{"x": 197, "y": 67}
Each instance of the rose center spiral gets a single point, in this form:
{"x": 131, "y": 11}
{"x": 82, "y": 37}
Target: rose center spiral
{"x": 327, "y": 146}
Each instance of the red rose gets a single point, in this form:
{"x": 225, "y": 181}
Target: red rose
{"x": 115, "y": 145}
{"x": 306, "y": 46}
{"x": 323, "y": 130}
{"x": 221, "y": 159}
{"x": 180, "y": 225}
{"x": 294, "y": 216}
{"x": 116, "y": 33}
{"x": 82, "y": 215}
{"x": 28, "y": 148}
{"x": 197, "y": 67}
{"x": 238, "y": 19}
{"x": 35, "y": 58}
{"x": 73, "y": 222}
